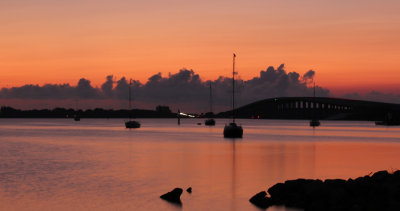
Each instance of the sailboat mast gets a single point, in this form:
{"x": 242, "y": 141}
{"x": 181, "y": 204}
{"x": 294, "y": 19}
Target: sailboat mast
{"x": 233, "y": 88}
{"x": 130, "y": 104}
{"x": 130, "y": 83}
{"x": 314, "y": 90}
{"x": 315, "y": 104}
{"x": 210, "y": 98}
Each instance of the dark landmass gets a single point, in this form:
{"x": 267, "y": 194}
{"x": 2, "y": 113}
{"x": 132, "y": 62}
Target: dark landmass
{"x": 321, "y": 108}
{"x": 160, "y": 112}
{"x": 173, "y": 196}
{"x": 381, "y": 191}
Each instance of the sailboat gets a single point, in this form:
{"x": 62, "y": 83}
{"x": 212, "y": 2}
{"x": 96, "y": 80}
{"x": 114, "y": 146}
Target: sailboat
{"x": 390, "y": 120}
{"x": 77, "y": 117}
{"x": 232, "y": 130}
{"x": 211, "y": 121}
{"x": 131, "y": 123}
{"x": 314, "y": 121}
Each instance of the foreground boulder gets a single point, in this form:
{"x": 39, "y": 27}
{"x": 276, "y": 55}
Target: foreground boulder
{"x": 173, "y": 196}
{"x": 261, "y": 200}
{"x": 381, "y": 191}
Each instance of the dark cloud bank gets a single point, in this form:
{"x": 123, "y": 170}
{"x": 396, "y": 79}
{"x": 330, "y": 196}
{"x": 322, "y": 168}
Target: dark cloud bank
{"x": 184, "y": 90}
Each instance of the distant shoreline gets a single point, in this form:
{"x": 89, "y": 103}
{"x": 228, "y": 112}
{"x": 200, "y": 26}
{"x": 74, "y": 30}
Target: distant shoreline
{"x": 287, "y": 108}
{"x": 160, "y": 112}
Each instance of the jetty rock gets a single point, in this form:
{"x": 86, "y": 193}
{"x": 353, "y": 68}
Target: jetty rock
{"x": 261, "y": 200}
{"x": 173, "y": 196}
{"x": 381, "y": 191}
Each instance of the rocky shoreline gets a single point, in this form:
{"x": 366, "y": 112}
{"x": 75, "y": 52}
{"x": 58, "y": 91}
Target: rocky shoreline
{"x": 376, "y": 192}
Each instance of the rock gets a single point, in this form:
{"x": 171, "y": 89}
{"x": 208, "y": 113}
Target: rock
{"x": 335, "y": 182}
{"x": 278, "y": 192}
{"x": 261, "y": 200}
{"x": 396, "y": 173}
{"x": 381, "y": 191}
{"x": 174, "y": 196}
{"x": 189, "y": 190}
{"x": 380, "y": 176}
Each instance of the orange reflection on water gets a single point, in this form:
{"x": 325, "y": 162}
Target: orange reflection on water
{"x": 346, "y": 160}
{"x": 102, "y": 166}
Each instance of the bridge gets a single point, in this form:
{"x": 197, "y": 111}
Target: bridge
{"x": 318, "y": 107}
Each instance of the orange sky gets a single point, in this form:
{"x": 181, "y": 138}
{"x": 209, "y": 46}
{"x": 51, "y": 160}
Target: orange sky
{"x": 351, "y": 46}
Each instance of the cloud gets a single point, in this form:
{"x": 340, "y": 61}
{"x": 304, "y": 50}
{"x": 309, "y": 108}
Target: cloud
{"x": 277, "y": 83}
{"x": 107, "y": 86}
{"x": 308, "y": 77}
{"x": 185, "y": 90}
{"x": 85, "y": 91}
{"x": 122, "y": 89}
{"x": 180, "y": 87}
{"x": 48, "y": 91}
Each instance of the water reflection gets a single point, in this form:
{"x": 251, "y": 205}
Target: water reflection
{"x": 57, "y": 165}
{"x": 233, "y": 190}
{"x": 253, "y": 163}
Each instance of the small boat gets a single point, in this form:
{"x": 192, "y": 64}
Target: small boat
{"x": 389, "y": 121}
{"x": 211, "y": 121}
{"x": 131, "y": 123}
{"x": 232, "y": 130}
{"x": 77, "y": 117}
{"x": 314, "y": 122}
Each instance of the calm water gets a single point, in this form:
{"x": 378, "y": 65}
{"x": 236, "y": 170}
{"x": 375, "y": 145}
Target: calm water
{"x": 97, "y": 164}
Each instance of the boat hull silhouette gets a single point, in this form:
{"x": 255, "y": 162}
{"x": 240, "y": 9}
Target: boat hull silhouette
{"x": 209, "y": 122}
{"x": 315, "y": 123}
{"x": 388, "y": 123}
{"x": 132, "y": 124}
{"x": 233, "y": 131}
